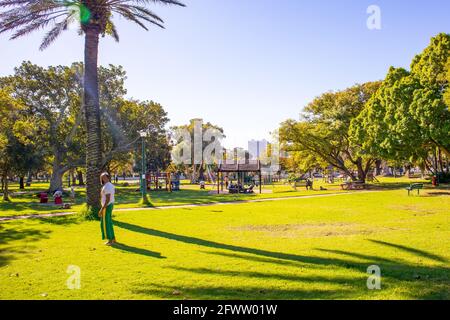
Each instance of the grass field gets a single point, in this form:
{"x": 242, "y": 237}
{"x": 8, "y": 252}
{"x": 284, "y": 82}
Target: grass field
{"x": 25, "y": 202}
{"x": 315, "y": 248}
{"x": 129, "y": 197}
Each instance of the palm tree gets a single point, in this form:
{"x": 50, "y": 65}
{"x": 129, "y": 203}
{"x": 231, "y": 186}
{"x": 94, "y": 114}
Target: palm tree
{"x": 95, "y": 18}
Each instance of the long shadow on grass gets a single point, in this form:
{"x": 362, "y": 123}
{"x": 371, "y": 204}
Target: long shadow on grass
{"x": 9, "y": 234}
{"x": 140, "y": 251}
{"x": 418, "y": 252}
{"x": 272, "y": 276}
{"x": 205, "y": 292}
{"x": 218, "y": 245}
{"x": 270, "y": 254}
{"x": 394, "y": 270}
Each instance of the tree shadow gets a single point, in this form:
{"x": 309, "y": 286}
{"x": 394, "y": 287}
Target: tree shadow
{"x": 399, "y": 270}
{"x": 217, "y": 245}
{"x": 255, "y": 258}
{"x": 360, "y": 256}
{"x": 418, "y": 252}
{"x": 139, "y": 251}
{"x": 199, "y": 292}
{"x": 61, "y": 220}
{"x": 272, "y": 276}
{"x": 9, "y": 234}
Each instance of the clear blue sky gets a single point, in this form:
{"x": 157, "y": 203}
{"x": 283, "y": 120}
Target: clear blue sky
{"x": 247, "y": 65}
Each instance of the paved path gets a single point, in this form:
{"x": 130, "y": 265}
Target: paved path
{"x": 60, "y": 214}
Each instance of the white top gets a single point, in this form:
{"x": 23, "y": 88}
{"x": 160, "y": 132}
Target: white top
{"x": 108, "y": 188}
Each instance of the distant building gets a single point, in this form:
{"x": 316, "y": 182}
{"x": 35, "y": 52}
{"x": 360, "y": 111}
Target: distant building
{"x": 257, "y": 149}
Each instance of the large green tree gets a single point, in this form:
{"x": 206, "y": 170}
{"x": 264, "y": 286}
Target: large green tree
{"x": 17, "y": 138}
{"x": 130, "y": 117}
{"x": 407, "y": 119}
{"x": 53, "y": 96}
{"x": 323, "y": 130}
{"x": 196, "y": 166}
{"x": 95, "y": 19}
{"x": 447, "y": 92}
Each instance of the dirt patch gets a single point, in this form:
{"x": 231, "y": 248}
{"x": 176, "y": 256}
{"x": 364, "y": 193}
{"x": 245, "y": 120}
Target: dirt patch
{"x": 437, "y": 194}
{"x": 312, "y": 230}
{"x": 416, "y": 210}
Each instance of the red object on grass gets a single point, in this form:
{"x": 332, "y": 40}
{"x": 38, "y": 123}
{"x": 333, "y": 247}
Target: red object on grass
{"x": 58, "y": 200}
{"x": 434, "y": 181}
{"x": 43, "y": 197}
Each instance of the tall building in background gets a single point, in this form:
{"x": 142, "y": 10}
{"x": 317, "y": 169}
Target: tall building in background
{"x": 257, "y": 149}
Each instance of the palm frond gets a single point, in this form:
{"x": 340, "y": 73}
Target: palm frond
{"x": 146, "y": 12}
{"x": 7, "y": 3}
{"x": 25, "y": 16}
{"x": 131, "y": 11}
{"x": 130, "y": 17}
{"x": 39, "y": 24}
{"x": 164, "y": 2}
{"x": 54, "y": 33}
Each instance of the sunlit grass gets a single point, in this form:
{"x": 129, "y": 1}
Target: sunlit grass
{"x": 316, "y": 248}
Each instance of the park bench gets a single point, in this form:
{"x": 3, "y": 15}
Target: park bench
{"x": 415, "y": 186}
{"x": 354, "y": 185}
{"x": 298, "y": 184}
{"x": 308, "y": 184}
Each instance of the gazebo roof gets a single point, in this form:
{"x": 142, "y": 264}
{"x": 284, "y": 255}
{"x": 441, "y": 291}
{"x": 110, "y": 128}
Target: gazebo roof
{"x": 251, "y": 166}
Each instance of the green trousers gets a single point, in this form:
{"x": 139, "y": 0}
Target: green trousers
{"x": 106, "y": 224}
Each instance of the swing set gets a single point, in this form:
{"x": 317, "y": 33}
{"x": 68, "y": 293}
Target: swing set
{"x": 162, "y": 181}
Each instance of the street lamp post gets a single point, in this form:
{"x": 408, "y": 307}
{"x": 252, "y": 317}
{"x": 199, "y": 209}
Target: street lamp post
{"x": 143, "y": 135}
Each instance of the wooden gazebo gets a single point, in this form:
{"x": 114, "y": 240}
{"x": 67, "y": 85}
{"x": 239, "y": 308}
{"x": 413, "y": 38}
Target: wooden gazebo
{"x": 240, "y": 169}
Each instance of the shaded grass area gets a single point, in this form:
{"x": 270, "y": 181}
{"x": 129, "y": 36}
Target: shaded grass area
{"x": 287, "y": 249}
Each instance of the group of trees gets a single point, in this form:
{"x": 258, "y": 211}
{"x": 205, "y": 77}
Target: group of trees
{"x": 42, "y": 127}
{"x": 200, "y": 136}
{"x": 404, "y": 119}
{"x": 94, "y": 19}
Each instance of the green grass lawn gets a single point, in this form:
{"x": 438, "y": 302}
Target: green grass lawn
{"x": 316, "y": 248}
{"x": 129, "y": 197}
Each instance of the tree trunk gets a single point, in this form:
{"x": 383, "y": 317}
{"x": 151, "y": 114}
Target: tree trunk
{"x": 378, "y": 168}
{"x": 29, "y": 179}
{"x": 194, "y": 173}
{"x": 21, "y": 183}
{"x": 92, "y": 117}
{"x": 56, "y": 182}
{"x": 73, "y": 177}
{"x": 441, "y": 163}
{"x": 5, "y": 187}
{"x": 362, "y": 172}
{"x": 201, "y": 172}
{"x": 80, "y": 178}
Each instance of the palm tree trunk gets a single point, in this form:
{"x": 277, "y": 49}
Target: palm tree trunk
{"x": 92, "y": 114}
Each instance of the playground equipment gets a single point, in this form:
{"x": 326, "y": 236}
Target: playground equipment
{"x": 210, "y": 175}
{"x": 240, "y": 170}
{"x": 162, "y": 181}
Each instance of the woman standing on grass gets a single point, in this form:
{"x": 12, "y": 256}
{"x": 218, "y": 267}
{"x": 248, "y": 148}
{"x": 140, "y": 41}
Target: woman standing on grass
{"x": 105, "y": 213}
